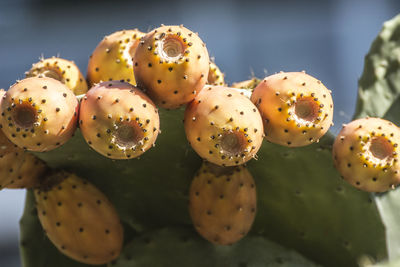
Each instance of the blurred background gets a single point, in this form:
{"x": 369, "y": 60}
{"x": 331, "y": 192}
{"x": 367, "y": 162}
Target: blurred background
{"x": 328, "y": 39}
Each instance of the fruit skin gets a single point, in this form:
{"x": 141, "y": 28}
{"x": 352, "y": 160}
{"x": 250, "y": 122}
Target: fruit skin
{"x": 110, "y": 106}
{"x": 297, "y": 109}
{"x": 79, "y": 219}
{"x": 171, "y": 65}
{"x": 29, "y": 174}
{"x": 18, "y": 169}
{"x": 49, "y": 110}
{"x": 222, "y": 203}
{"x": 112, "y": 58}
{"x": 11, "y": 158}
{"x": 247, "y": 84}
{"x": 218, "y": 113}
{"x": 62, "y": 70}
{"x": 215, "y": 75}
{"x": 365, "y": 152}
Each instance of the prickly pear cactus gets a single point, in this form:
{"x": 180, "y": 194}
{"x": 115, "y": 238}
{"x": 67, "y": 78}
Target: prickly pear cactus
{"x": 379, "y": 85}
{"x": 302, "y": 202}
{"x": 379, "y": 90}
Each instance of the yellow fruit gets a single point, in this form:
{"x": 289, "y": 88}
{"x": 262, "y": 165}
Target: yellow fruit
{"x": 248, "y": 84}
{"x": 222, "y": 203}
{"x": 29, "y": 173}
{"x": 39, "y": 114}
{"x": 118, "y": 120}
{"x": 112, "y": 58}
{"x": 215, "y": 75}
{"x": 365, "y": 152}
{"x": 297, "y": 109}
{"x": 18, "y": 169}
{"x": 79, "y": 219}
{"x": 62, "y": 70}
{"x": 171, "y": 65}
{"x": 223, "y": 126}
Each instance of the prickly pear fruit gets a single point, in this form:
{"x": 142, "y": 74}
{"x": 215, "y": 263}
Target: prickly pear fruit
{"x": 215, "y": 75}
{"x": 29, "y": 174}
{"x": 223, "y": 126}
{"x": 222, "y": 203}
{"x": 62, "y": 70}
{"x": 118, "y": 120}
{"x": 365, "y": 152}
{"x": 39, "y": 114}
{"x": 11, "y": 158}
{"x": 112, "y": 58}
{"x": 18, "y": 169}
{"x": 171, "y": 65}
{"x": 79, "y": 219}
{"x": 297, "y": 109}
{"x": 248, "y": 84}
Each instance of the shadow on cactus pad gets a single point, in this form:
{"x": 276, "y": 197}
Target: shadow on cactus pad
{"x": 170, "y": 247}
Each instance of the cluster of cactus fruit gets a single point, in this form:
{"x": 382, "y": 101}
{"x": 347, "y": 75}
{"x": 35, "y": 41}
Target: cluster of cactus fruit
{"x": 136, "y": 83}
